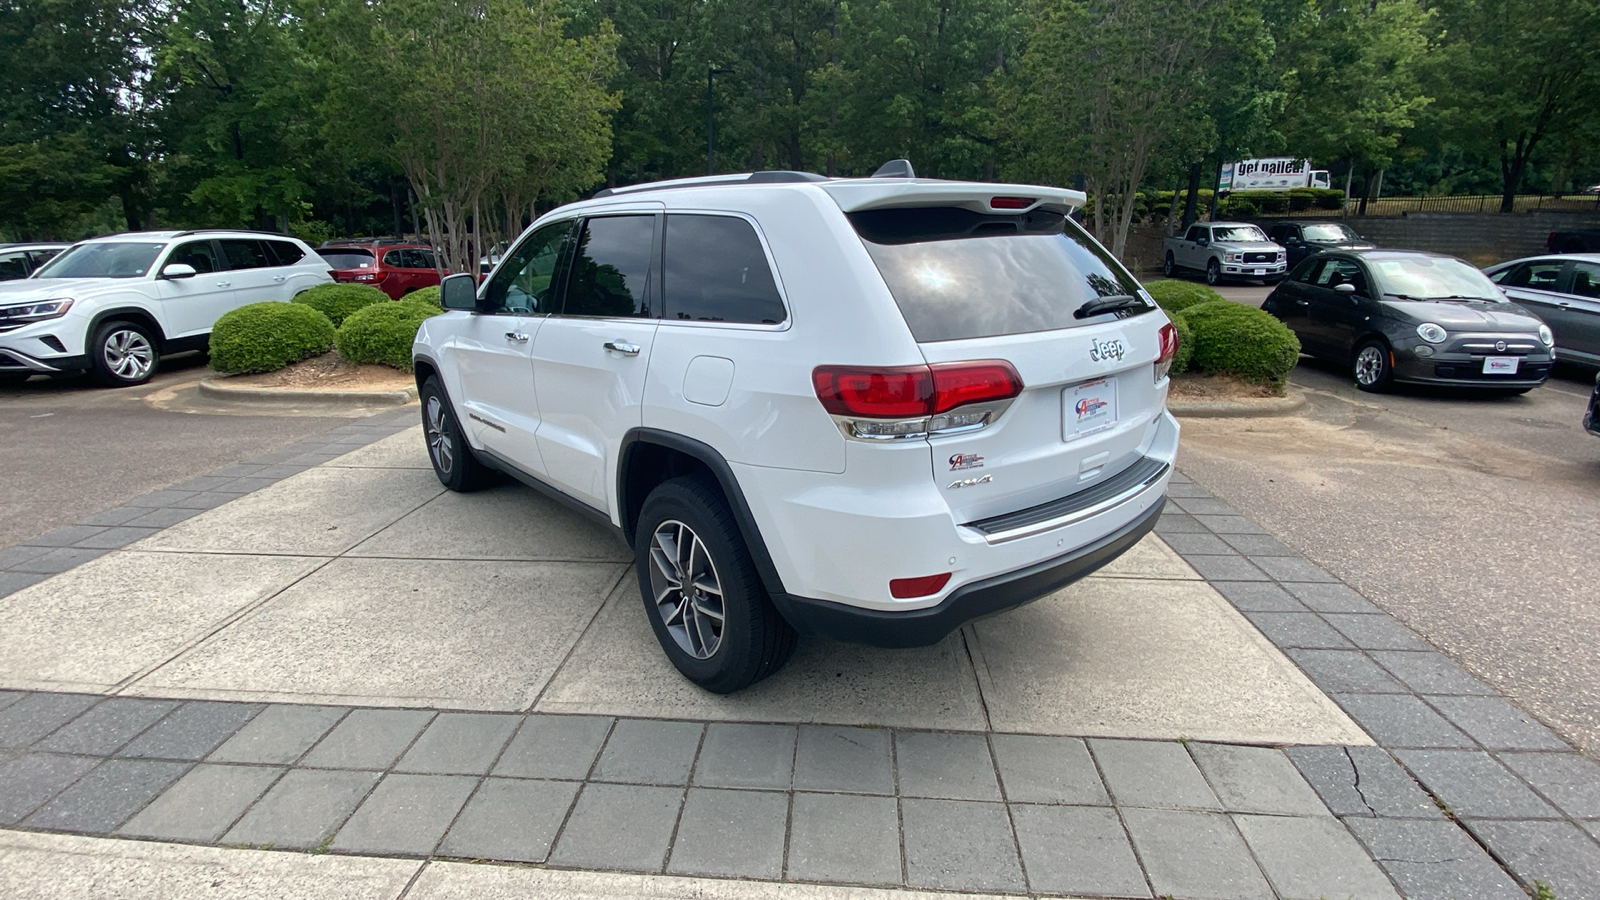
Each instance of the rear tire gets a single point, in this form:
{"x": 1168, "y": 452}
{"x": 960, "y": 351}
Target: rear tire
{"x": 123, "y": 354}
{"x": 1372, "y": 369}
{"x": 1169, "y": 265}
{"x": 1213, "y": 272}
{"x": 458, "y": 469}
{"x": 722, "y": 633}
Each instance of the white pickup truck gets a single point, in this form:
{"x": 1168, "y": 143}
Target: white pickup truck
{"x": 1225, "y": 251}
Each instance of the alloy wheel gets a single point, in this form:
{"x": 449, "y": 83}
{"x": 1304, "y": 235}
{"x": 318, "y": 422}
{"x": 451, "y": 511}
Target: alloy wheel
{"x": 686, "y": 589}
{"x": 128, "y": 354}
{"x": 1369, "y": 366}
{"x": 439, "y": 444}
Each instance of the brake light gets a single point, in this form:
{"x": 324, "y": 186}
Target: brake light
{"x": 1169, "y": 350}
{"x": 1011, "y": 202}
{"x": 906, "y": 588}
{"x": 913, "y": 401}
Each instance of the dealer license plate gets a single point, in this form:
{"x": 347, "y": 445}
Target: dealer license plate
{"x": 1500, "y": 365}
{"x": 1089, "y": 408}
{"x": 1261, "y": 271}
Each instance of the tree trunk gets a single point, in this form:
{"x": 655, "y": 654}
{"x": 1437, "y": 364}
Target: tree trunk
{"x": 1190, "y": 213}
{"x": 1217, "y": 180}
{"x": 1512, "y": 168}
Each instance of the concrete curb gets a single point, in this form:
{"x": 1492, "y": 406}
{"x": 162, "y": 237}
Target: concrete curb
{"x": 1218, "y": 409}
{"x": 209, "y": 387}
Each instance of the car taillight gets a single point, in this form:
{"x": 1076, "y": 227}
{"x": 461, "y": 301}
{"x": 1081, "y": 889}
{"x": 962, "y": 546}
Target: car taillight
{"x": 1011, "y": 202}
{"x": 1169, "y": 350}
{"x": 914, "y": 401}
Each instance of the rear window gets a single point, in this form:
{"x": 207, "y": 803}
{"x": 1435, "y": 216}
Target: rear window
{"x": 959, "y": 274}
{"x": 347, "y": 258}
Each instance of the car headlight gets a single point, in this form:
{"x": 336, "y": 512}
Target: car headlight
{"x": 1233, "y": 257}
{"x": 28, "y": 313}
{"x": 1547, "y": 336}
{"x": 1433, "y": 334}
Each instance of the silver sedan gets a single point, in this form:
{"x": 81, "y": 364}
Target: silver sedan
{"x": 1564, "y": 291}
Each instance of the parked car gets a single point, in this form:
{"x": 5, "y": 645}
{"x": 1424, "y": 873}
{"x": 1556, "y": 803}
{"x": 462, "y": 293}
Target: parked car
{"x": 870, "y": 408}
{"x": 115, "y": 305}
{"x": 1564, "y": 291}
{"x": 1408, "y": 316}
{"x": 1302, "y": 239}
{"x": 393, "y": 266}
{"x": 1591, "y": 416}
{"x": 1225, "y": 251}
{"x": 22, "y": 260}
{"x": 1582, "y": 240}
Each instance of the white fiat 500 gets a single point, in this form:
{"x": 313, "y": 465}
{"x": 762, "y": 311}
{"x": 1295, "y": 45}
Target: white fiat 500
{"x": 869, "y": 408}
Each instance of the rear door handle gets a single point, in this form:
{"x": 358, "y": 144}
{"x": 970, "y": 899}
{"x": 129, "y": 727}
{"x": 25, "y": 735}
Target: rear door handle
{"x": 279, "y": 278}
{"x": 623, "y": 347}
{"x": 517, "y": 336}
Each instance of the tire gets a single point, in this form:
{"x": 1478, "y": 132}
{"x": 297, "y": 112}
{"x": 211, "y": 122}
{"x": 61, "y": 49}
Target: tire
{"x": 1371, "y": 367}
{"x": 686, "y": 525}
{"x": 123, "y": 354}
{"x": 1169, "y": 265}
{"x": 453, "y": 461}
{"x": 1213, "y": 272}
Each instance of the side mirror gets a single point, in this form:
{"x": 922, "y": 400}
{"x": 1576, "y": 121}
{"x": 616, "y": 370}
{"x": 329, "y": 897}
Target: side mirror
{"x": 1345, "y": 288}
{"x": 458, "y": 292}
{"x": 1291, "y": 239}
{"x": 176, "y": 271}
{"x": 1202, "y": 241}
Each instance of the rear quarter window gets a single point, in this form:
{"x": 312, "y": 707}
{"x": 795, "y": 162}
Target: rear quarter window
{"x": 715, "y": 270}
{"x": 958, "y": 274}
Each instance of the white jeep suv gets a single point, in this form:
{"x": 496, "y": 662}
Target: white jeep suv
{"x": 871, "y": 408}
{"x": 114, "y": 305}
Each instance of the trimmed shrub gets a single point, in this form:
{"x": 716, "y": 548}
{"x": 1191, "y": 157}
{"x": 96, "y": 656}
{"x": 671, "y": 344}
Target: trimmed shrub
{"x": 337, "y": 301}
{"x": 428, "y": 296}
{"x": 265, "y": 337}
{"x": 1176, "y": 296}
{"x": 382, "y": 333}
{"x": 1234, "y": 339}
{"x": 1180, "y": 360}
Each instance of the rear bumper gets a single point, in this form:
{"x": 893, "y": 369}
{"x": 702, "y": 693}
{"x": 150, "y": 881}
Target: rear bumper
{"x": 921, "y": 627}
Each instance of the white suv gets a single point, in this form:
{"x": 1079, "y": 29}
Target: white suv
{"x": 872, "y": 409}
{"x": 114, "y": 305}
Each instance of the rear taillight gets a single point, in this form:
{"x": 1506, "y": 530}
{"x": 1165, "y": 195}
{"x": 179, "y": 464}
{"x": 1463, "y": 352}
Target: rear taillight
{"x": 1169, "y": 349}
{"x": 914, "y": 401}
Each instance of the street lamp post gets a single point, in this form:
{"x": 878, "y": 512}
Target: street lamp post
{"x": 711, "y": 126}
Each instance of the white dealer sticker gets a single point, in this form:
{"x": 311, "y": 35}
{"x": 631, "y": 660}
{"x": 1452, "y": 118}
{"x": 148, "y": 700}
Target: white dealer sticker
{"x": 1089, "y": 408}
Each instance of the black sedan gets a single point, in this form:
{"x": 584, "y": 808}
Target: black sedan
{"x": 1591, "y": 416}
{"x": 1406, "y": 316}
{"x": 1303, "y": 239}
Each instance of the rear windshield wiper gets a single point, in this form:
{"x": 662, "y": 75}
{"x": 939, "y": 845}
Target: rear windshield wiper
{"x": 1114, "y": 303}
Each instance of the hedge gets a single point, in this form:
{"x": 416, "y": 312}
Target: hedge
{"x": 1176, "y": 296}
{"x": 383, "y": 333}
{"x": 265, "y": 337}
{"x": 1180, "y": 361}
{"x": 1234, "y": 339}
{"x": 338, "y": 300}
{"x": 428, "y": 296}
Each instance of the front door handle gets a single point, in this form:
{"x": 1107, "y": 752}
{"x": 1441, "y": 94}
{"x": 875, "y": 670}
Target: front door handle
{"x": 224, "y": 284}
{"x": 623, "y": 347}
{"x": 517, "y": 336}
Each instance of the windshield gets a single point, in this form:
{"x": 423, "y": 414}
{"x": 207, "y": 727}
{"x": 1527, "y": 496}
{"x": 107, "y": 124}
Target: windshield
{"x": 959, "y": 274}
{"x": 1430, "y": 278}
{"x": 1238, "y": 233}
{"x": 343, "y": 258}
{"x": 1334, "y": 233}
{"x": 105, "y": 259}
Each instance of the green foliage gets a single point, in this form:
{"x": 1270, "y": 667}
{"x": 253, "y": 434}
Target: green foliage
{"x": 383, "y": 333}
{"x": 1234, "y": 339}
{"x": 428, "y": 296}
{"x": 265, "y": 337}
{"x": 1176, "y": 296}
{"x": 337, "y": 301}
{"x": 1180, "y": 360}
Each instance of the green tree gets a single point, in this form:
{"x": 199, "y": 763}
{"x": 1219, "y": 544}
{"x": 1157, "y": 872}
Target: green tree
{"x": 661, "y": 55}
{"x": 1512, "y": 77}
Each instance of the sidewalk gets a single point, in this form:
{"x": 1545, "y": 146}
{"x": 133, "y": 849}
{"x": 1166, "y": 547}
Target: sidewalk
{"x": 339, "y": 656}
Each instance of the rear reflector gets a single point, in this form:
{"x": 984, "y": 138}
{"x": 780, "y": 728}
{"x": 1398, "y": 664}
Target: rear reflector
{"x": 905, "y": 392}
{"x": 1011, "y": 202}
{"x": 906, "y": 588}
{"x": 1169, "y": 350}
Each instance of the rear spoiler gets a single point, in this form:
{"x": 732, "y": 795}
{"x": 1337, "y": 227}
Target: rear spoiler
{"x": 857, "y": 194}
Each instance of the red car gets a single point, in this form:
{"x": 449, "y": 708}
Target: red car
{"x": 393, "y": 266}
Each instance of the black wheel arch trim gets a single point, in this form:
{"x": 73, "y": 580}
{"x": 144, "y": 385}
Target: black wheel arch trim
{"x": 122, "y": 312}
{"x": 766, "y": 570}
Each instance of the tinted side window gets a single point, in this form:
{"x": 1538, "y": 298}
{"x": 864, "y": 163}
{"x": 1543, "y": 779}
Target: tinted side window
{"x": 1307, "y": 271}
{"x": 244, "y": 254}
{"x": 285, "y": 253}
{"x": 716, "y": 271}
{"x": 611, "y": 268}
{"x": 1539, "y": 276}
{"x": 1279, "y": 233}
{"x": 13, "y": 265}
{"x": 1196, "y": 232}
{"x": 423, "y": 259}
{"x": 197, "y": 254}
{"x": 1586, "y": 279}
{"x": 395, "y": 259}
{"x": 1335, "y": 272}
{"x": 525, "y": 282}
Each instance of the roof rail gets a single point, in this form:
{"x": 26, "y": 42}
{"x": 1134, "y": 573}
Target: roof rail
{"x": 773, "y": 176}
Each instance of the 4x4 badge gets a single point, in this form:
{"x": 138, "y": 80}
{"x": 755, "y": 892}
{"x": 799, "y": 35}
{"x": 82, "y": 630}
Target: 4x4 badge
{"x": 971, "y": 482}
